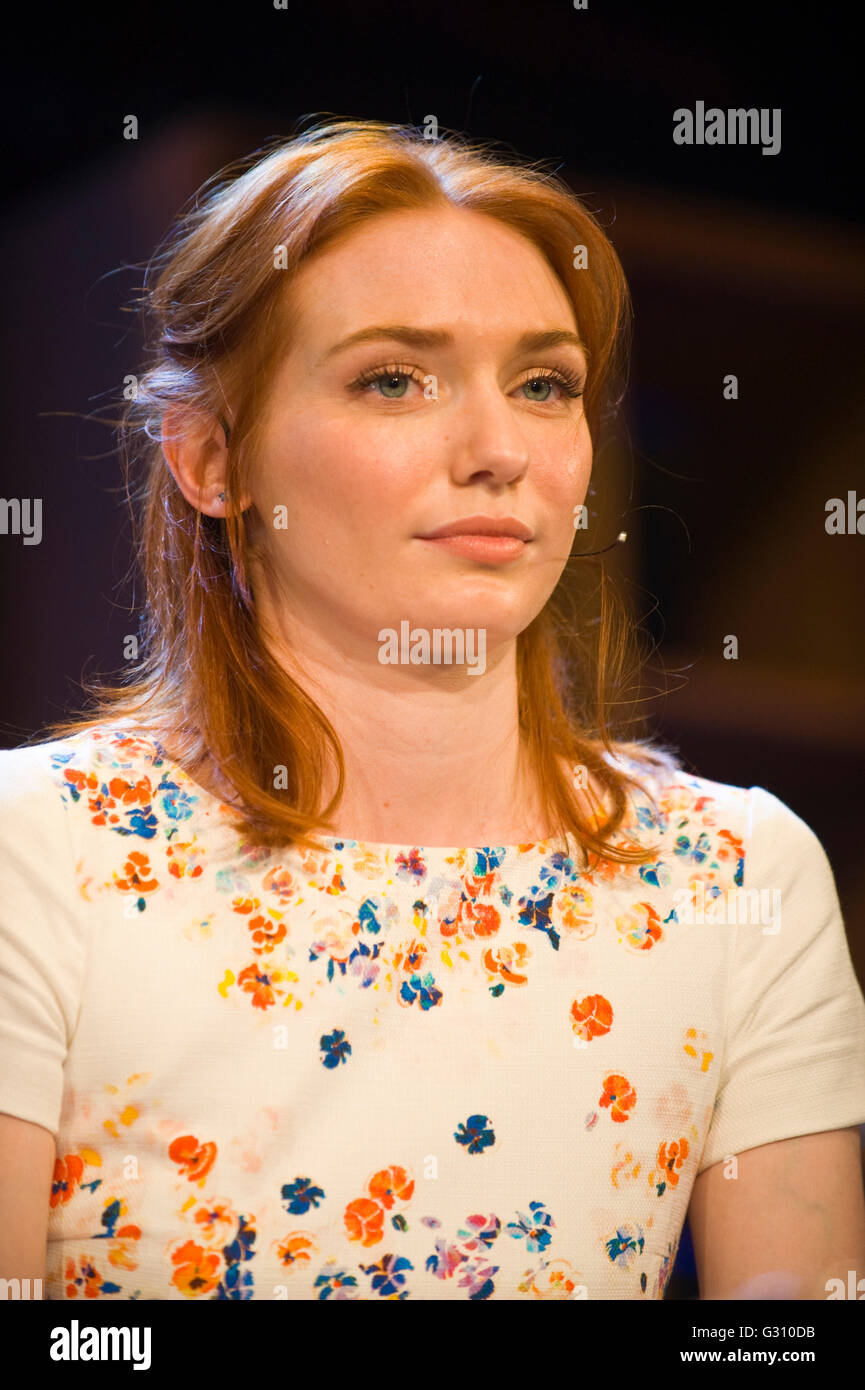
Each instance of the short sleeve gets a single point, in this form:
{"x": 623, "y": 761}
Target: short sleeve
{"x": 41, "y": 947}
{"x": 794, "y": 1056}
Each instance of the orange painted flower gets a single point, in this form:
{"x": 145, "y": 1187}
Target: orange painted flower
{"x": 217, "y": 1221}
{"x": 391, "y": 1184}
{"x": 130, "y": 746}
{"x": 245, "y": 905}
{"x": 88, "y": 1276}
{"x": 607, "y": 870}
{"x": 641, "y": 927}
{"x": 81, "y": 780}
{"x": 619, "y": 1097}
{"x": 575, "y": 906}
{"x": 411, "y": 957}
{"x": 183, "y": 859}
{"x": 279, "y": 881}
{"x": 556, "y": 1279}
{"x": 461, "y": 913}
{"x": 262, "y": 984}
{"x": 101, "y": 809}
{"x": 364, "y": 1221}
{"x": 131, "y": 793}
{"x": 481, "y": 919}
{"x": 137, "y": 870}
{"x": 295, "y": 1249}
{"x": 197, "y": 1269}
{"x": 507, "y": 962}
{"x": 731, "y": 846}
{"x": 265, "y": 933}
{"x": 195, "y": 1160}
{"x": 671, "y": 1158}
{"x": 122, "y": 1249}
{"x": 593, "y": 1016}
{"x": 67, "y": 1175}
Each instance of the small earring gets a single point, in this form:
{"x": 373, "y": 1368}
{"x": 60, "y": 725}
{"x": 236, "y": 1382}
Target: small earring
{"x": 221, "y": 496}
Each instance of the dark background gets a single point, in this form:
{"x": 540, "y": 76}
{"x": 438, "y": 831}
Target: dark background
{"x": 737, "y": 261}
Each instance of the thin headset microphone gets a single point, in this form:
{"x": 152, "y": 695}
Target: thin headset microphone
{"x": 620, "y": 539}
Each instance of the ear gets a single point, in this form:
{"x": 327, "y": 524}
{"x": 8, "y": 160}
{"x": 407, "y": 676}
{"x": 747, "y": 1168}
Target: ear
{"x": 196, "y": 450}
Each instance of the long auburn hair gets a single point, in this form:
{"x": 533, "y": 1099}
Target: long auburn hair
{"x": 215, "y": 328}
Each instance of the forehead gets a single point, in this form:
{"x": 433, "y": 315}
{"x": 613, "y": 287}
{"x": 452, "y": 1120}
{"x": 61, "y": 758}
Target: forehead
{"x": 448, "y": 266}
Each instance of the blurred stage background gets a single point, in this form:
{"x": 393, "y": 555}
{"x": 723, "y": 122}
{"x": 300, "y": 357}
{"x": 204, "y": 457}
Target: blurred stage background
{"x": 738, "y": 262}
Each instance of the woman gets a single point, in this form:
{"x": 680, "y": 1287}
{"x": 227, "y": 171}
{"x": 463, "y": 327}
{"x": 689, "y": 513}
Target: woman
{"x": 345, "y": 954}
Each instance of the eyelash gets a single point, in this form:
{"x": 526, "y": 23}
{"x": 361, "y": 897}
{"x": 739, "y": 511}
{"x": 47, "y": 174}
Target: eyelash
{"x": 571, "y": 382}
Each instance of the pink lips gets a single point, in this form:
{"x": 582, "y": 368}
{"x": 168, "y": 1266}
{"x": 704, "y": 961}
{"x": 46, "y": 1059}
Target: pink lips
{"x": 495, "y": 549}
{"x": 494, "y": 540}
{"x": 481, "y": 526}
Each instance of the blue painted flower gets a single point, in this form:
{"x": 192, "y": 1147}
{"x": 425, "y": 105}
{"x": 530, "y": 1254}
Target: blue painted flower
{"x": 696, "y": 852}
{"x": 535, "y": 912}
{"x": 486, "y": 860}
{"x": 300, "y": 1195}
{"x": 336, "y": 1048}
{"x": 388, "y": 1275}
{"x": 236, "y": 1283}
{"x": 533, "y": 1228}
{"x": 241, "y": 1247}
{"x": 648, "y": 819}
{"x": 331, "y": 1283}
{"x": 142, "y": 822}
{"x": 422, "y": 988}
{"x": 657, "y": 874}
{"x": 476, "y": 1134}
{"x": 367, "y": 916}
{"x": 176, "y": 803}
{"x": 625, "y": 1245}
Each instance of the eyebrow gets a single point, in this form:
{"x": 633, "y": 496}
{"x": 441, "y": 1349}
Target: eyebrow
{"x": 533, "y": 341}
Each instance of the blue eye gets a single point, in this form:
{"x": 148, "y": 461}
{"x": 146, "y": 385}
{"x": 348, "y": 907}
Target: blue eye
{"x": 571, "y": 383}
{"x": 390, "y": 383}
{"x": 393, "y": 375}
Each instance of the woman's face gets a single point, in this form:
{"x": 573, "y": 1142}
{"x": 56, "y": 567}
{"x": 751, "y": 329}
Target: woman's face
{"x": 352, "y": 472}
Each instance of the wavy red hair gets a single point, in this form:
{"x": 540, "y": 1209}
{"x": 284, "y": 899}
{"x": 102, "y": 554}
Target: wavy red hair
{"x": 216, "y": 325}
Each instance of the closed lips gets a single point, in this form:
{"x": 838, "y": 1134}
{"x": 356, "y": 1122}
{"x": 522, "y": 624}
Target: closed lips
{"x": 482, "y": 526}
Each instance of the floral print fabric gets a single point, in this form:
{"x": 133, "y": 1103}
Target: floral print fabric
{"x": 392, "y": 1072}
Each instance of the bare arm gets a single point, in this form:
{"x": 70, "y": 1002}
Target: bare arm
{"x": 793, "y": 1217}
{"x": 27, "y": 1154}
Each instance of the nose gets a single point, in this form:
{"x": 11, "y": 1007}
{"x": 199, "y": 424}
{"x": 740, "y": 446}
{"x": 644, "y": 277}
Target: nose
{"x": 486, "y": 438}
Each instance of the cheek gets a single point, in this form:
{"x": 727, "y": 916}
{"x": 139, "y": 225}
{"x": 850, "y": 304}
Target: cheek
{"x": 371, "y": 474}
{"x": 562, "y": 451}
{"x": 561, "y": 491}
{"x": 562, "y": 478}
{"x": 337, "y": 478}
{"x": 307, "y": 469}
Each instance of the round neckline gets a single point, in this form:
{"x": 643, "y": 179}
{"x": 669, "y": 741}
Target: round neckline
{"x": 212, "y": 804}
{"x": 335, "y": 842}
